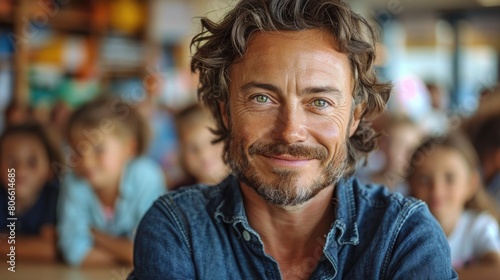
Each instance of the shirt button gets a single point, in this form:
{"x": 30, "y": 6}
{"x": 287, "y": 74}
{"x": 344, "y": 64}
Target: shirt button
{"x": 246, "y": 235}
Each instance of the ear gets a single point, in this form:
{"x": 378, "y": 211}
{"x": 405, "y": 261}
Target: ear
{"x": 356, "y": 118}
{"x": 224, "y": 114}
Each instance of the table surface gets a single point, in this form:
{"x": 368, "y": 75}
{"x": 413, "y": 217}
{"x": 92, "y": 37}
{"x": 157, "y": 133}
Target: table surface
{"x": 41, "y": 271}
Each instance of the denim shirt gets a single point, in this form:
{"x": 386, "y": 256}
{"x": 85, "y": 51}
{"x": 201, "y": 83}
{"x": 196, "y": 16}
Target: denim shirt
{"x": 202, "y": 232}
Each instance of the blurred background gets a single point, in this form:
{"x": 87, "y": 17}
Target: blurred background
{"x": 57, "y": 54}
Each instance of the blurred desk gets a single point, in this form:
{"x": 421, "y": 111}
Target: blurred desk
{"x": 56, "y": 271}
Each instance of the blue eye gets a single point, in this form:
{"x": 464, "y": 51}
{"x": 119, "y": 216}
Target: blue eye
{"x": 261, "y": 98}
{"x": 320, "y": 103}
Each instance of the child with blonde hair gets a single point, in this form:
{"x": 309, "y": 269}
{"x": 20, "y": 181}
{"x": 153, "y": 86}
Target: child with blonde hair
{"x": 111, "y": 186}
{"x": 444, "y": 173}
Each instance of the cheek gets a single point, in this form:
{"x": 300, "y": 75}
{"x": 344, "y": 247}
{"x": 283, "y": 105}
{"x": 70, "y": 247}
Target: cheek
{"x": 421, "y": 193}
{"x": 329, "y": 134}
{"x": 42, "y": 173}
{"x": 112, "y": 161}
{"x": 459, "y": 194}
{"x": 218, "y": 151}
{"x": 418, "y": 191}
{"x": 191, "y": 159}
{"x": 251, "y": 125}
{"x": 248, "y": 132}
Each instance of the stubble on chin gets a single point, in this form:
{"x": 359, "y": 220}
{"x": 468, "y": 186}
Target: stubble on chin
{"x": 284, "y": 190}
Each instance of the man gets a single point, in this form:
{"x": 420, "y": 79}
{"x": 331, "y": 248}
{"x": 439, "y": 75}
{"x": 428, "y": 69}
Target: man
{"x": 291, "y": 85}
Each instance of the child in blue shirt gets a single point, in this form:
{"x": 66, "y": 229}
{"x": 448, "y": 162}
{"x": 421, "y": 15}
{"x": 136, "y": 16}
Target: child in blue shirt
{"x": 30, "y": 187}
{"x": 111, "y": 186}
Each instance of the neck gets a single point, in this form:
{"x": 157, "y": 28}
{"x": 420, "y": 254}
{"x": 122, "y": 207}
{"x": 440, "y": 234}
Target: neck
{"x": 449, "y": 222}
{"x": 23, "y": 205}
{"x": 294, "y": 236}
{"x": 108, "y": 196}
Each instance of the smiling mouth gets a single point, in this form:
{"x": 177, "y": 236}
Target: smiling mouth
{"x": 287, "y": 160}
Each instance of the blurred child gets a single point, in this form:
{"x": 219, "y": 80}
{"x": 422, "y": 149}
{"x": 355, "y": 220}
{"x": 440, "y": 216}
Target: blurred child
{"x": 399, "y": 139}
{"x": 112, "y": 185}
{"x": 16, "y": 114}
{"x": 488, "y": 145}
{"x": 200, "y": 158}
{"x": 26, "y": 179}
{"x": 444, "y": 174}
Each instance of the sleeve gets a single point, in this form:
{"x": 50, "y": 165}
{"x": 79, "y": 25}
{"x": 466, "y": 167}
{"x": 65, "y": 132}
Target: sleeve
{"x": 51, "y": 206}
{"x": 3, "y": 211}
{"x": 151, "y": 185}
{"x": 486, "y": 235}
{"x": 161, "y": 247}
{"x": 420, "y": 250}
{"x": 75, "y": 237}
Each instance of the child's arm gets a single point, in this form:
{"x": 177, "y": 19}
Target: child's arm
{"x": 98, "y": 257}
{"x": 488, "y": 267}
{"x": 40, "y": 247}
{"x": 121, "y": 248}
{"x": 74, "y": 227}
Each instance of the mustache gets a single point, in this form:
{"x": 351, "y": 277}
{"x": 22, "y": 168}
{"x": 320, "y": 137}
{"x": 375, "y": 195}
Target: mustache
{"x": 276, "y": 149}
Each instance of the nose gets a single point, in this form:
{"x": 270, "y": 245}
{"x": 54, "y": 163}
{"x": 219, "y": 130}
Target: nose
{"x": 291, "y": 124}
{"x": 436, "y": 188}
{"x": 87, "y": 162}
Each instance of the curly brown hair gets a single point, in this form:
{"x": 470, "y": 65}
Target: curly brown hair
{"x": 220, "y": 45}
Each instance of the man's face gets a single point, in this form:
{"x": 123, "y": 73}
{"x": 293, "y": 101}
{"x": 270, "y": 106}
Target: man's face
{"x": 290, "y": 115}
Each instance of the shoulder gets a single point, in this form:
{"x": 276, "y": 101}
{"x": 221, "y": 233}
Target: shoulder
{"x": 406, "y": 229}
{"x": 143, "y": 166}
{"x": 145, "y": 172}
{"x": 393, "y": 212}
{"x": 3, "y": 194}
{"x": 378, "y": 196}
{"x": 479, "y": 222}
{"x": 52, "y": 188}
{"x": 74, "y": 188}
{"x": 196, "y": 199}
{"x": 143, "y": 181}
{"x": 74, "y": 183}
{"x": 198, "y": 202}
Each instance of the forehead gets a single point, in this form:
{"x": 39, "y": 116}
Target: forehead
{"x": 443, "y": 158}
{"x": 21, "y": 143}
{"x": 309, "y": 54}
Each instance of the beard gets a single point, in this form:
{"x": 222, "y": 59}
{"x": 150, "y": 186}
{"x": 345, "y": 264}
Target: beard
{"x": 284, "y": 190}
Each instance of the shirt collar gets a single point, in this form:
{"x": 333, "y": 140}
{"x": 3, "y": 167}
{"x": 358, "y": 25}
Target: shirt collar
{"x": 345, "y": 220}
{"x": 344, "y": 229}
{"x": 231, "y": 208}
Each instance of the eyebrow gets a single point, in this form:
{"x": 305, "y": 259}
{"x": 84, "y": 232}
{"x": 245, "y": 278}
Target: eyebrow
{"x": 323, "y": 89}
{"x": 265, "y": 86}
{"x": 307, "y": 90}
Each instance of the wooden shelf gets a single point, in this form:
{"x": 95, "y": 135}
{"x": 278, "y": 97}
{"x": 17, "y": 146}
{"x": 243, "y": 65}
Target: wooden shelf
{"x": 83, "y": 18}
{"x": 71, "y": 20}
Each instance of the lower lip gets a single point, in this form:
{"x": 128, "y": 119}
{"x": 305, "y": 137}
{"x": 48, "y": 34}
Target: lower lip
{"x": 288, "y": 163}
